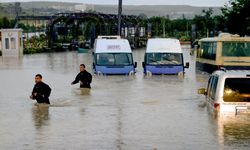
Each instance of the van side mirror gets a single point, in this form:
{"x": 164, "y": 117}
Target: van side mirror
{"x": 143, "y": 64}
{"x": 187, "y": 65}
{"x": 135, "y": 65}
{"x": 202, "y": 91}
{"x": 94, "y": 66}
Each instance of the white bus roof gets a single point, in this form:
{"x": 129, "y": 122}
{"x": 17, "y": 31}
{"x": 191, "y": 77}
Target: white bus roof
{"x": 112, "y": 46}
{"x": 163, "y": 45}
{"x": 226, "y": 37}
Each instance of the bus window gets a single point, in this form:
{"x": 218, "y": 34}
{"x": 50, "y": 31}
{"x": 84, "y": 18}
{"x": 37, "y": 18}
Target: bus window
{"x": 236, "y": 49}
{"x": 208, "y": 50}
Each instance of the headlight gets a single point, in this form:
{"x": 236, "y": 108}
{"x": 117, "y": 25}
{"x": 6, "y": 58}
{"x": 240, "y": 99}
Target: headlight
{"x": 180, "y": 73}
{"x": 99, "y": 73}
{"x": 131, "y": 73}
{"x": 149, "y": 74}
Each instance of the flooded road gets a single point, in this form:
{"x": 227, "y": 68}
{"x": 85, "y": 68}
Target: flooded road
{"x": 119, "y": 113}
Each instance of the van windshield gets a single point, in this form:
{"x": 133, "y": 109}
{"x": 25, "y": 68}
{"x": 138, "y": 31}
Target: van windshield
{"x": 163, "y": 59}
{"x": 237, "y": 90}
{"x": 114, "y": 59}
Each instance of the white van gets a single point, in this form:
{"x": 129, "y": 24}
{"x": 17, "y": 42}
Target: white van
{"x": 113, "y": 55}
{"x": 228, "y": 91}
{"x": 163, "y": 56}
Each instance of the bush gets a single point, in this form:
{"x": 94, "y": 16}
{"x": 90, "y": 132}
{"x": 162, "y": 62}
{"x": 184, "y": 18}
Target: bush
{"x": 35, "y": 45}
{"x": 184, "y": 38}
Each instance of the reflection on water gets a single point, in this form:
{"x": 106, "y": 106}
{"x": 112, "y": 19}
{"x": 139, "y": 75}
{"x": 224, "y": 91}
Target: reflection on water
{"x": 233, "y": 131}
{"x": 40, "y": 115}
{"x": 11, "y": 62}
{"x": 81, "y": 91}
{"x": 119, "y": 112}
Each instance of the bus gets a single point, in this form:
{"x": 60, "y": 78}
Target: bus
{"x": 231, "y": 52}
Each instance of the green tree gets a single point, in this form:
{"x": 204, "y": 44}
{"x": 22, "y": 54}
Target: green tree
{"x": 5, "y": 22}
{"x": 204, "y": 22}
{"x": 237, "y": 16}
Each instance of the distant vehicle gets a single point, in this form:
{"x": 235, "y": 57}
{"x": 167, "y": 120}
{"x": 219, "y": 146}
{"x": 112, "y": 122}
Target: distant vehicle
{"x": 163, "y": 56}
{"x": 228, "y": 92}
{"x": 228, "y": 51}
{"x": 65, "y": 46}
{"x": 113, "y": 55}
{"x": 84, "y": 47}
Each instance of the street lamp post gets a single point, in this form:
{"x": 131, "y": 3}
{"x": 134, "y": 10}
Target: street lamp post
{"x": 119, "y": 17}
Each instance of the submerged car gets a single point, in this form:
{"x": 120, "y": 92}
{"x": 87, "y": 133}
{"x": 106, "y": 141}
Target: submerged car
{"x": 228, "y": 91}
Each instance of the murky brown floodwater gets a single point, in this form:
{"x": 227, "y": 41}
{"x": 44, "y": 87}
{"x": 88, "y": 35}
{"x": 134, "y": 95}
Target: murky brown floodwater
{"x": 121, "y": 112}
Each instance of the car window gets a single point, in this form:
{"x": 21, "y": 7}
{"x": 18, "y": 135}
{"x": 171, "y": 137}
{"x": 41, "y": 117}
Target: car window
{"x": 214, "y": 87}
{"x": 209, "y": 86}
{"x": 237, "y": 90}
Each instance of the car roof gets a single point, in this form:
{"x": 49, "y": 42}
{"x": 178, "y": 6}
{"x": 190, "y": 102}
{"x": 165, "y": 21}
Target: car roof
{"x": 232, "y": 73}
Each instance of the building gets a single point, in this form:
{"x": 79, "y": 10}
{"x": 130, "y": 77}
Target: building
{"x": 11, "y": 42}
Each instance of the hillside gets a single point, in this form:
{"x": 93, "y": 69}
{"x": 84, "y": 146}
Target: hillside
{"x": 49, "y": 8}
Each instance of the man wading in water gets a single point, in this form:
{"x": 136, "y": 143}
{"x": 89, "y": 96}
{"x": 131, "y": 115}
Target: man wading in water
{"x": 41, "y": 91}
{"x": 84, "y": 77}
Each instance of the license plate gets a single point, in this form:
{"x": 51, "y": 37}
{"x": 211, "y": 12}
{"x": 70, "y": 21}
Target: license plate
{"x": 242, "y": 109}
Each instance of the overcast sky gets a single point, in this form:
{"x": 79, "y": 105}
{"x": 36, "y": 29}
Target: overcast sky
{"x": 142, "y": 2}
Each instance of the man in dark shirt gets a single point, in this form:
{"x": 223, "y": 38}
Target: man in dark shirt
{"x": 84, "y": 77}
{"x": 41, "y": 91}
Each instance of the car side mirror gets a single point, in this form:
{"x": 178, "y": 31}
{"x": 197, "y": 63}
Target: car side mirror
{"x": 202, "y": 91}
{"x": 187, "y": 65}
{"x": 135, "y": 65}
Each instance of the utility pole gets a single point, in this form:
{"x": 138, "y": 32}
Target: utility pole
{"x": 119, "y": 17}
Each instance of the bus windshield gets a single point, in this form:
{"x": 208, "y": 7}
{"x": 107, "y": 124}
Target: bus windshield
{"x": 164, "y": 59}
{"x": 114, "y": 59}
{"x": 237, "y": 90}
{"x": 236, "y": 49}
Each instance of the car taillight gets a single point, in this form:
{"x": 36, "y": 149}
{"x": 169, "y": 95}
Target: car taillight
{"x": 216, "y": 106}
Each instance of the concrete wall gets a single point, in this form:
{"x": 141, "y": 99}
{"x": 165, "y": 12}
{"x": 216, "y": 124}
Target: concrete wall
{"x": 12, "y": 43}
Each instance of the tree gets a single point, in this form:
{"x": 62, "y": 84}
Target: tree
{"x": 5, "y": 22}
{"x": 205, "y": 22}
{"x": 237, "y": 16}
